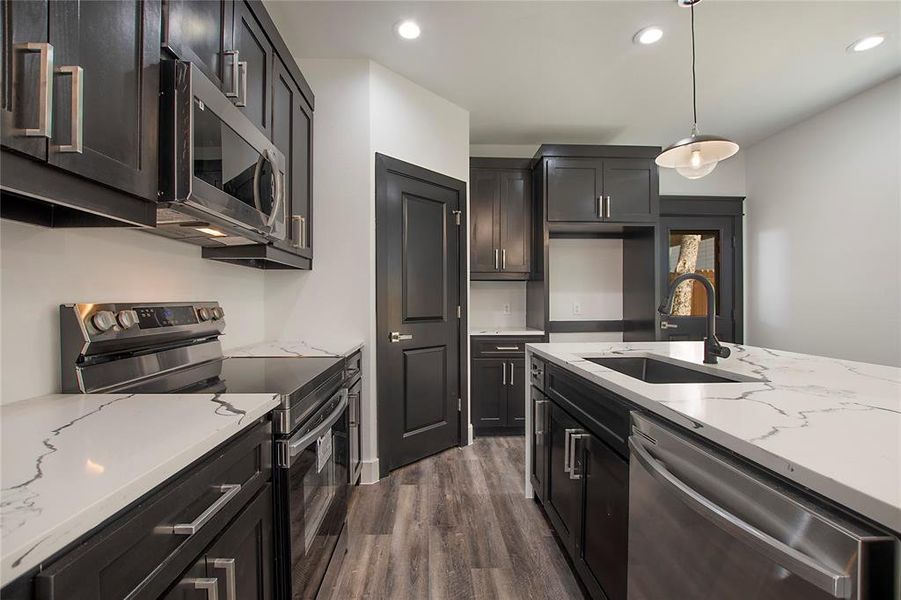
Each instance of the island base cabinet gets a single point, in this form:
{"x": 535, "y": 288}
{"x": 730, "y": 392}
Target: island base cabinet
{"x": 563, "y": 494}
{"x": 602, "y": 540}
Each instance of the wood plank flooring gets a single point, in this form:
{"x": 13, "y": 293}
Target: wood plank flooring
{"x": 453, "y": 526}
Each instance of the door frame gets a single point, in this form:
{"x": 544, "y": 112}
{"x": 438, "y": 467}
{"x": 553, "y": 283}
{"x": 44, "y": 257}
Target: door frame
{"x": 383, "y": 166}
{"x": 710, "y": 206}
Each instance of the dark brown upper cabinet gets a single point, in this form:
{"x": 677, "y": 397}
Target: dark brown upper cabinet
{"x": 201, "y": 32}
{"x": 254, "y": 71}
{"x": 600, "y": 184}
{"x": 292, "y": 133}
{"x": 81, "y": 93}
{"x": 501, "y": 205}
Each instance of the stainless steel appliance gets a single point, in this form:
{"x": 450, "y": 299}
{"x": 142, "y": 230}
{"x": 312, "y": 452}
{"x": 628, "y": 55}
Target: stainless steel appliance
{"x": 703, "y": 525}
{"x": 222, "y": 181}
{"x": 174, "y": 347}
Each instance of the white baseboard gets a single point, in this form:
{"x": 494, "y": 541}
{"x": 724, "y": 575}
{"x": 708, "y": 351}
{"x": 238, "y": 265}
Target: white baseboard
{"x": 470, "y": 435}
{"x": 369, "y": 472}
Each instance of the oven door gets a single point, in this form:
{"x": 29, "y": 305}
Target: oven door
{"x": 313, "y": 496}
{"x": 214, "y": 161}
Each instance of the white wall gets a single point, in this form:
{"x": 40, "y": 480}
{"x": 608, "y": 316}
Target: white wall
{"x": 487, "y": 300}
{"x": 823, "y": 229}
{"x": 728, "y": 179}
{"x": 588, "y": 272}
{"x": 42, "y": 268}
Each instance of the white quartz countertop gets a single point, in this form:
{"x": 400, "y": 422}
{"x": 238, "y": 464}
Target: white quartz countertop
{"x": 523, "y": 331}
{"x": 302, "y": 348}
{"x": 833, "y": 426}
{"x": 71, "y": 461}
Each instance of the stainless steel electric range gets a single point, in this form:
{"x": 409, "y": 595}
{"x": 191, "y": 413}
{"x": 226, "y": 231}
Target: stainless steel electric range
{"x": 175, "y": 347}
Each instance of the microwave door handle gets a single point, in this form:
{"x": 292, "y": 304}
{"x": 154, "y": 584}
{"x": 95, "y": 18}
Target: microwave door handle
{"x": 298, "y": 446}
{"x": 278, "y": 185}
{"x": 837, "y": 585}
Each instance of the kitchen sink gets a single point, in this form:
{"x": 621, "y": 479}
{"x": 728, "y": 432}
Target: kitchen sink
{"x": 651, "y": 370}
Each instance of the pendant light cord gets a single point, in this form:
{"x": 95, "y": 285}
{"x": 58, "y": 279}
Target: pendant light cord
{"x": 694, "y": 85}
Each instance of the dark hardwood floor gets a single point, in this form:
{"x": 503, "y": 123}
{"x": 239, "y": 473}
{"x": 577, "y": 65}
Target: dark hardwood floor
{"x": 455, "y": 525}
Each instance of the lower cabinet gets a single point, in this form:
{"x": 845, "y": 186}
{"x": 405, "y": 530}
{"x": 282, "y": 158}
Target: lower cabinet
{"x": 583, "y": 483}
{"x": 498, "y": 394}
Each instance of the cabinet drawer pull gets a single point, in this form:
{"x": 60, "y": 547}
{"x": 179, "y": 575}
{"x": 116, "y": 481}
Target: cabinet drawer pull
{"x": 228, "y": 564}
{"x": 208, "y": 584}
{"x": 76, "y": 117}
{"x": 228, "y": 491}
{"x": 45, "y": 88}
{"x": 506, "y": 347}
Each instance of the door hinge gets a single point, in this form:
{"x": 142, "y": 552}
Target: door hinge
{"x": 457, "y": 216}
{"x": 459, "y": 312}
{"x": 459, "y": 404}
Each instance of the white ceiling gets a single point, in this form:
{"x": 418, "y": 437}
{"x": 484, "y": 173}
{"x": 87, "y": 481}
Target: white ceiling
{"x": 532, "y": 72}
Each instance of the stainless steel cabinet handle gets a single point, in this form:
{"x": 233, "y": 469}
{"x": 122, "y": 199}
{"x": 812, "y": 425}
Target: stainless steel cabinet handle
{"x": 397, "y": 336}
{"x": 539, "y": 419}
{"x": 573, "y": 473}
{"x": 306, "y": 232}
{"x": 506, "y": 347}
{"x": 496, "y": 262}
{"x": 834, "y": 583}
{"x": 208, "y": 584}
{"x": 567, "y": 443}
{"x": 76, "y": 115}
{"x": 297, "y": 230}
{"x": 231, "y": 589}
{"x": 233, "y": 92}
{"x": 228, "y": 490}
{"x": 607, "y": 208}
{"x": 504, "y": 259}
{"x": 504, "y": 371}
{"x": 600, "y": 207}
{"x": 511, "y": 373}
{"x": 45, "y": 88}
{"x": 242, "y": 87}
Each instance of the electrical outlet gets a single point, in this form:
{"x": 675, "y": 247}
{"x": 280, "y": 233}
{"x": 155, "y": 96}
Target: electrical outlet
{"x": 507, "y": 310}
{"x": 577, "y": 308}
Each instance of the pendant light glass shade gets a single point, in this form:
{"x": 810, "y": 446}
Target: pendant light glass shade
{"x": 697, "y": 155}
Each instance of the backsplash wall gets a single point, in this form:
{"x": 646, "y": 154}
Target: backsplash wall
{"x": 487, "y": 300}
{"x": 41, "y": 268}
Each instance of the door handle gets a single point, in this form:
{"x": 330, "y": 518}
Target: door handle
{"x": 77, "y": 109}
{"x": 397, "y": 336}
{"x": 231, "y": 588}
{"x": 668, "y": 325}
{"x": 496, "y": 267}
{"x": 511, "y": 373}
{"x": 233, "y": 92}
{"x": 45, "y": 88}
{"x": 575, "y": 437}
{"x": 567, "y": 443}
{"x": 504, "y": 371}
{"x": 242, "y": 87}
{"x": 607, "y": 208}
{"x": 504, "y": 259}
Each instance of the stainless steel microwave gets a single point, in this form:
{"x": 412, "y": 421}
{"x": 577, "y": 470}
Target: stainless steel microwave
{"x": 219, "y": 175}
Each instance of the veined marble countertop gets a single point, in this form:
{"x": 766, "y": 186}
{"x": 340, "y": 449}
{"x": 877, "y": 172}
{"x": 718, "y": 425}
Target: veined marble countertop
{"x": 296, "y": 348}
{"x": 833, "y": 426}
{"x": 523, "y": 331}
{"x": 71, "y": 461}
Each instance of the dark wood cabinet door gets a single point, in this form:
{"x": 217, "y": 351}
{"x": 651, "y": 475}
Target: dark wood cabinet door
{"x": 200, "y": 32}
{"x": 631, "y": 188}
{"x": 562, "y": 501}
{"x": 242, "y": 556}
{"x": 602, "y": 539}
{"x": 255, "y": 61}
{"x": 117, "y": 47}
{"x": 484, "y": 206}
{"x": 540, "y": 409}
{"x": 515, "y": 222}
{"x": 193, "y": 585}
{"x": 516, "y": 393}
{"x": 489, "y": 393}
{"x": 574, "y": 188}
{"x": 23, "y": 41}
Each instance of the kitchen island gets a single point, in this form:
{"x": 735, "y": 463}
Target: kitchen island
{"x": 831, "y": 426}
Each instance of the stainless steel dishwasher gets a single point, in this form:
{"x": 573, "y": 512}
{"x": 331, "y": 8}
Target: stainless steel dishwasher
{"x": 702, "y": 525}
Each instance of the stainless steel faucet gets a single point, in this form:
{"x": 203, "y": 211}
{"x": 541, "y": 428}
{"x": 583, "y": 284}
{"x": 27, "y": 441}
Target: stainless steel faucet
{"x": 712, "y": 347}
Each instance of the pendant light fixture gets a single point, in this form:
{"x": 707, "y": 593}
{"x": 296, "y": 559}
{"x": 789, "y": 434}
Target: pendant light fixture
{"x": 697, "y": 155}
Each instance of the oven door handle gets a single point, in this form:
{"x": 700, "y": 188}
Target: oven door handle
{"x": 298, "y": 446}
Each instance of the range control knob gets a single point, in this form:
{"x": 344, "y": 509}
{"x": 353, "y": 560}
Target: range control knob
{"x": 103, "y": 320}
{"x": 127, "y": 319}
{"x": 204, "y": 313}
{"x": 218, "y": 313}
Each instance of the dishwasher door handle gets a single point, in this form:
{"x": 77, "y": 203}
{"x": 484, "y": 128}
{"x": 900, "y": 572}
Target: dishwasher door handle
{"x": 838, "y": 585}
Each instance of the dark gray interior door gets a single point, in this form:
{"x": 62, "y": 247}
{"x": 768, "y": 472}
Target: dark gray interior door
{"x": 707, "y": 245}
{"x": 418, "y": 246}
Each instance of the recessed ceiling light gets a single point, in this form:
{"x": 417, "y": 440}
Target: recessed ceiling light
{"x": 409, "y": 30}
{"x": 867, "y": 43}
{"x": 648, "y": 35}
{"x": 210, "y": 231}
